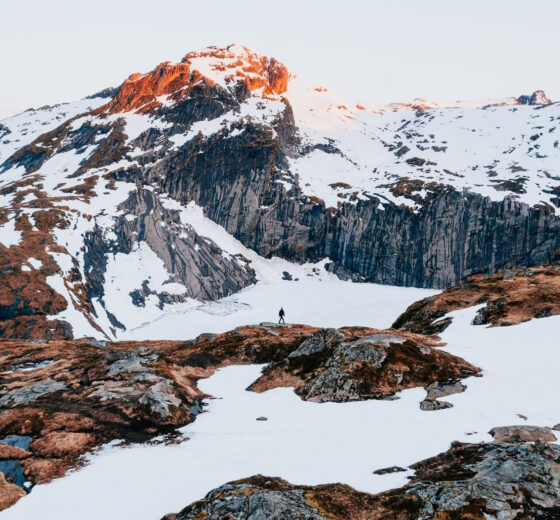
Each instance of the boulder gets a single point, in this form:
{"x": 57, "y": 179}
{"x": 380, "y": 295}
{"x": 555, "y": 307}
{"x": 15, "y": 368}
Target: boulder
{"x": 522, "y": 433}
{"x": 436, "y": 390}
{"x": 429, "y": 405}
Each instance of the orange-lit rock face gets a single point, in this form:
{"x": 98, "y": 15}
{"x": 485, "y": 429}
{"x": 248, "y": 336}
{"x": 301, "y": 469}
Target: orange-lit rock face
{"x": 225, "y": 66}
{"x": 140, "y": 91}
{"x": 237, "y": 63}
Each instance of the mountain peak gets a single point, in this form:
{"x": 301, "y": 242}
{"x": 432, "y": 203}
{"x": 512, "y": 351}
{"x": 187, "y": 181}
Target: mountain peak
{"x": 226, "y": 67}
{"x": 237, "y": 62}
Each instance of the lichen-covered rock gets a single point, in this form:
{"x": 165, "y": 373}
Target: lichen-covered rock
{"x": 29, "y": 394}
{"x": 241, "y": 501}
{"x": 160, "y": 399}
{"x": 318, "y": 343}
{"x": 334, "y": 365}
{"x": 494, "y": 481}
{"x": 437, "y": 390}
{"x": 498, "y": 480}
{"x": 429, "y": 405}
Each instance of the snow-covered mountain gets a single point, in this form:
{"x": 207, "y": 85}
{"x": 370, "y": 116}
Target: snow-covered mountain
{"x": 193, "y": 181}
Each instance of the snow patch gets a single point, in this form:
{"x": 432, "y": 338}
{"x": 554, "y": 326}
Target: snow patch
{"x": 8, "y": 235}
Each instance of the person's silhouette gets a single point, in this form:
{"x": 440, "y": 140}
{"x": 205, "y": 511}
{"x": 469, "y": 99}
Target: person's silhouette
{"x": 281, "y": 314}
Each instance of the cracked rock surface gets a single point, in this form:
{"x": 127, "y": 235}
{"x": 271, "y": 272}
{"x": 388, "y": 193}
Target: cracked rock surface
{"x": 494, "y": 481}
{"x": 336, "y": 365}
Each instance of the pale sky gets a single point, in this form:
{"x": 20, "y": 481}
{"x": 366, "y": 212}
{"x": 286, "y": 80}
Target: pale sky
{"x": 374, "y": 51}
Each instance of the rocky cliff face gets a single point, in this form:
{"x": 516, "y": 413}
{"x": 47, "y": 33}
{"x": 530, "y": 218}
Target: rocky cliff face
{"x": 390, "y": 196}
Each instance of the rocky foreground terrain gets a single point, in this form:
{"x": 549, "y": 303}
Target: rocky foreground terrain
{"x": 497, "y": 480}
{"x": 63, "y": 399}
{"x": 335, "y": 366}
{"x": 509, "y": 297}
{"x": 60, "y": 399}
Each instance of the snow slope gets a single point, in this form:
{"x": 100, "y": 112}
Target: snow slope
{"x": 311, "y": 443}
{"x": 21, "y": 129}
{"x": 472, "y": 146}
{"x": 322, "y": 301}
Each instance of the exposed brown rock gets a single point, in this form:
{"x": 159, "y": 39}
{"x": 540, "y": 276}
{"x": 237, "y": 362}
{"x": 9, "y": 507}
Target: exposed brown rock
{"x": 12, "y": 452}
{"x": 26, "y": 299}
{"x": 511, "y": 297}
{"x": 59, "y": 444}
{"x": 352, "y": 364}
{"x": 9, "y": 493}
{"x": 41, "y": 471}
{"x": 522, "y": 433}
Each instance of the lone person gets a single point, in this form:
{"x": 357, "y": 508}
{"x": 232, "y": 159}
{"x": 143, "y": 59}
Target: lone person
{"x": 281, "y": 314}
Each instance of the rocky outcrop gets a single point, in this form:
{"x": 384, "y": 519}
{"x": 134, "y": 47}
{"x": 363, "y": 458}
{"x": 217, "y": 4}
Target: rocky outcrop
{"x": 523, "y": 433}
{"x": 255, "y": 499}
{"x": 536, "y": 98}
{"x": 339, "y": 366}
{"x": 147, "y": 92}
{"x": 511, "y": 296}
{"x": 195, "y": 262}
{"x": 475, "y": 481}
